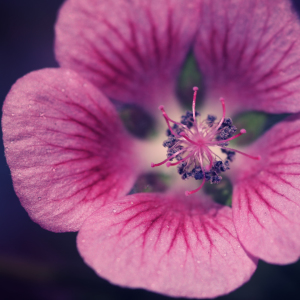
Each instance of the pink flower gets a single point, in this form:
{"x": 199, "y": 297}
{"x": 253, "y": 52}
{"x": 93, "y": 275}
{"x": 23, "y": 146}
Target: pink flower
{"x": 73, "y": 163}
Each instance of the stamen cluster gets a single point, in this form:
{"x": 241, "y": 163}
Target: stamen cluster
{"x": 190, "y": 142}
{"x": 189, "y": 167}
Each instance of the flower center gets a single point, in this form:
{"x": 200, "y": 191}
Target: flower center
{"x": 192, "y": 141}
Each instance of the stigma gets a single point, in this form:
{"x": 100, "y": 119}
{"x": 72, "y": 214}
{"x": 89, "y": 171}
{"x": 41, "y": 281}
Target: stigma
{"x": 191, "y": 144}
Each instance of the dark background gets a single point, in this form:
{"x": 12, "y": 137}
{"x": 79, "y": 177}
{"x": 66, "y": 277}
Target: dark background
{"x": 38, "y": 264}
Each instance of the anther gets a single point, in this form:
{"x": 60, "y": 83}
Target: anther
{"x": 242, "y": 131}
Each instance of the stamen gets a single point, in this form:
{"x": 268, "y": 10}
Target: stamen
{"x": 167, "y": 159}
{"x": 242, "y": 131}
{"x": 195, "y": 89}
{"x": 187, "y": 193}
{"x": 243, "y": 153}
{"x": 210, "y": 159}
{"x": 213, "y": 132}
{"x": 195, "y": 139}
{"x": 224, "y": 112}
{"x": 167, "y": 119}
{"x": 168, "y": 164}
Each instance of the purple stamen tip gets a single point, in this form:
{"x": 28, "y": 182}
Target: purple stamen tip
{"x": 195, "y": 88}
{"x": 161, "y": 107}
{"x": 152, "y": 165}
{"x": 168, "y": 164}
{"x": 243, "y": 131}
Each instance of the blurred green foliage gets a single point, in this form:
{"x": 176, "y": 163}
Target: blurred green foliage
{"x": 189, "y": 77}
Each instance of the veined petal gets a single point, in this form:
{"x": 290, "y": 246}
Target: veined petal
{"x": 249, "y": 53}
{"x": 178, "y": 246}
{"x": 66, "y": 148}
{"x": 266, "y": 197}
{"x": 132, "y": 50}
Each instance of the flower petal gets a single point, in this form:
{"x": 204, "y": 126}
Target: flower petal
{"x": 178, "y": 246}
{"x": 266, "y": 197}
{"x": 132, "y": 50}
{"x": 249, "y": 53}
{"x": 65, "y": 147}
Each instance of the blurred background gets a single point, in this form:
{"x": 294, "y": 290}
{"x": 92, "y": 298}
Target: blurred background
{"x": 38, "y": 264}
